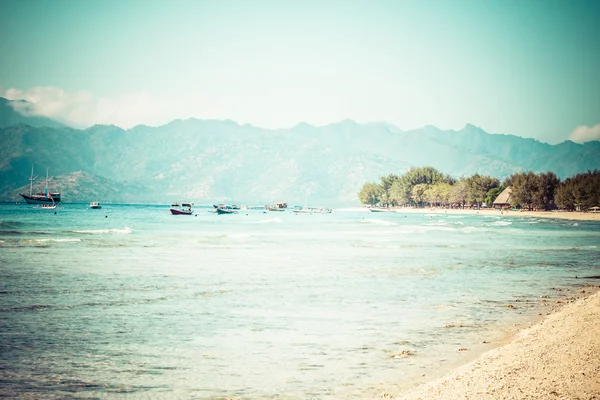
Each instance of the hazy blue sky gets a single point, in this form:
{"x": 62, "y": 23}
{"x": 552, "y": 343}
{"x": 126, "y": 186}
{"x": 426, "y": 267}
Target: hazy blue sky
{"x": 530, "y": 68}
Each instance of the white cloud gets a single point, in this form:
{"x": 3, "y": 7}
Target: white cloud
{"x": 81, "y": 109}
{"x": 584, "y": 133}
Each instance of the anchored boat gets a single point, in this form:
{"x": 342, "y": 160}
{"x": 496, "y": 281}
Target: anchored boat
{"x": 181, "y": 209}
{"x": 46, "y": 197}
{"x": 225, "y": 209}
{"x": 280, "y": 206}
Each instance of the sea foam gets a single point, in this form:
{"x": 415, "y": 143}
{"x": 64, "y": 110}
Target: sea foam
{"x": 114, "y": 231}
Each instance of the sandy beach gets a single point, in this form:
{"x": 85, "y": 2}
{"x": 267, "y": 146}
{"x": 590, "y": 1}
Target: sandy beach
{"x": 557, "y": 358}
{"x": 571, "y": 215}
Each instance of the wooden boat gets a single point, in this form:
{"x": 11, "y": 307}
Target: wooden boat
{"x": 45, "y": 197}
{"x": 95, "y": 205}
{"x": 224, "y": 209}
{"x": 280, "y": 206}
{"x": 380, "y": 210}
{"x": 181, "y": 209}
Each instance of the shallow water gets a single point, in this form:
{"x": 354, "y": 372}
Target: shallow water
{"x": 129, "y": 301}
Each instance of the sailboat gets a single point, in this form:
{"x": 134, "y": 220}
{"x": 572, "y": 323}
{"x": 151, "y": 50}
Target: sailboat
{"x": 46, "y": 197}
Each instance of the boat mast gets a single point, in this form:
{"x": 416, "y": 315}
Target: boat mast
{"x": 47, "y": 180}
{"x": 31, "y": 179}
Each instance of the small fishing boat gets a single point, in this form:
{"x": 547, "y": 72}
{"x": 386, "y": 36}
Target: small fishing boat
{"x": 280, "y": 206}
{"x": 46, "y": 206}
{"x": 380, "y": 210}
{"x": 95, "y": 205}
{"x": 224, "y": 209}
{"x": 181, "y": 209}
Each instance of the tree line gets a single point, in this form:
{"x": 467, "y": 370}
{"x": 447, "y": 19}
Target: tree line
{"x": 426, "y": 186}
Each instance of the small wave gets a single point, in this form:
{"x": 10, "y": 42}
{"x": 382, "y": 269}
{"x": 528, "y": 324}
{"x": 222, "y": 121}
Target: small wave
{"x": 11, "y": 224}
{"x": 34, "y": 307}
{"x": 115, "y": 303}
{"x": 439, "y": 227}
{"x": 114, "y": 231}
{"x": 15, "y": 233}
{"x": 59, "y": 240}
{"x": 500, "y": 223}
{"x": 381, "y": 246}
{"x": 11, "y": 233}
{"x": 567, "y": 248}
{"x": 438, "y": 222}
{"x": 230, "y": 236}
{"x": 379, "y": 222}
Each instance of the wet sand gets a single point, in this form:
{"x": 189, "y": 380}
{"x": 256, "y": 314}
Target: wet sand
{"x": 557, "y": 358}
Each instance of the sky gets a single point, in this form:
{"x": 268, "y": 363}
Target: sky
{"x": 521, "y": 67}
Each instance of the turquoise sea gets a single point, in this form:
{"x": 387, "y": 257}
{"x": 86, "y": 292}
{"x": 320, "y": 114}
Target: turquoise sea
{"x": 131, "y": 302}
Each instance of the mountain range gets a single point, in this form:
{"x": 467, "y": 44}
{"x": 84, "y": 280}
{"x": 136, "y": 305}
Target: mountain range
{"x": 208, "y": 161}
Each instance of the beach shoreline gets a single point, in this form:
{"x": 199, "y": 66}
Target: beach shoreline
{"x": 569, "y": 215}
{"x": 556, "y": 357}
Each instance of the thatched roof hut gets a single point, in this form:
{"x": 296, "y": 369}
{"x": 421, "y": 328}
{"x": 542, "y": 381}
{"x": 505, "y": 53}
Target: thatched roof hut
{"x": 503, "y": 199}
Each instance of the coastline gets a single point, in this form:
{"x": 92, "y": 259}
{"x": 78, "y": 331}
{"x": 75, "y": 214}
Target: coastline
{"x": 570, "y": 215}
{"x": 558, "y": 357}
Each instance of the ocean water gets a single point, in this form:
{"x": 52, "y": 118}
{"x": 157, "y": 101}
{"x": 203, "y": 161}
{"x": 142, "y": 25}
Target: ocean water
{"x": 131, "y": 302}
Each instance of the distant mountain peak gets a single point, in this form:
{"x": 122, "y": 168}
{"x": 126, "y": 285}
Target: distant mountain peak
{"x": 302, "y": 125}
{"x": 470, "y": 127}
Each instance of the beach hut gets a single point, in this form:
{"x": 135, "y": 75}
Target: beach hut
{"x": 503, "y": 199}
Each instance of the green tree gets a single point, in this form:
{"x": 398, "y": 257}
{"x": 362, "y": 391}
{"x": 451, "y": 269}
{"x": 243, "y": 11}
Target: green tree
{"x": 579, "y": 192}
{"x": 401, "y": 190}
{"x": 478, "y": 186}
{"x": 533, "y": 191}
{"x": 418, "y": 193}
{"x": 523, "y": 186}
{"x": 398, "y": 194}
{"x": 386, "y": 185}
{"x": 444, "y": 189}
{"x": 458, "y": 194}
{"x": 543, "y": 196}
{"x": 431, "y": 195}
{"x": 438, "y": 194}
{"x": 564, "y": 196}
{"x": 492, "y": 194}
{"x": 370, "y": 194}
